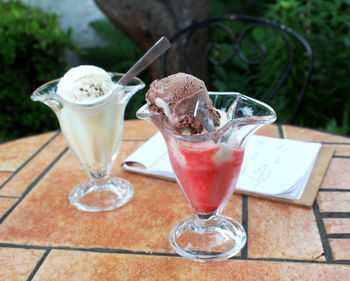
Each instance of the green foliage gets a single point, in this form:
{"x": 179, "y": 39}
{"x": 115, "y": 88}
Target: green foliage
{"x": 33, "y": 48}
{"x": 256, "y": 80}
{"x": 118, "y": 55}
{"x": 248, "y": 7}
{"x": 326, "y": 26}
{"x": 32, "y": 52}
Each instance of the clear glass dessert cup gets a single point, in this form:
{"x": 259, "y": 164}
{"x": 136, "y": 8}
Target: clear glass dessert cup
{"x": 207, "y": 167}
{"x": 93, "y": 132}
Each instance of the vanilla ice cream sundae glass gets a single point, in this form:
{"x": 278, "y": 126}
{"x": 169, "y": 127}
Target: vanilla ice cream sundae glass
{"x": 90, "y": 104}
{"x": 206, "y": 134}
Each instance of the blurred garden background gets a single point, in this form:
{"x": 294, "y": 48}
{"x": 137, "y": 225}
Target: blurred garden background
{"x": 41, "y": 40}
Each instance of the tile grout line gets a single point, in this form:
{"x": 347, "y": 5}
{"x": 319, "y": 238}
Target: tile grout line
{"x": 335, "y": 143}
{"x": 30, "y": 159}
{"x": 164, "y": 254}
{"x": 32, "y": 185}
{"x": 335, "y": 215}
{"x": 280, "y": 131}
{"x": 323, "y": 233}
{"x": 341, "y": 156}
{"x": 333, "y": 190}
{"x": 339, "y": 236}
{"x": 90, "y": 250}
{"x": 40, "y": 262}
{"x": 10, "y": 196}
{"x": 244, "y": 251}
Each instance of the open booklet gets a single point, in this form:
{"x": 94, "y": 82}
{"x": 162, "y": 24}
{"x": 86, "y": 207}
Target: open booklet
{"x": 273, "y": 168}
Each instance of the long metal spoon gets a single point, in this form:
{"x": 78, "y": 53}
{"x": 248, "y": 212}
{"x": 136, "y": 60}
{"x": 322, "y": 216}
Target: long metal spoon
{"x": 201, "y": 112}
{"x": 153, "y": 53}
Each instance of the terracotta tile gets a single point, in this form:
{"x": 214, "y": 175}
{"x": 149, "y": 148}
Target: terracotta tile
{"x": 338, "y": 174}
{"x": 4, "y": 176}
{"x": 339, "y": 149}
{"x": 279, "y": 230}
{"x": 18, "y": 264}
{"x": 304, "y": 134}
{"x": 269, "y": 130}
{"x": 342, "y": 148}
{"x": 75, "y": 265}
{"x": 138, "y": 130}
{"x": 5, "y": 204}
{"x": 13, "y": 154}
{"x": 45, "y": 216}
{"x": 334, "y": 201}
{"x": 20, "y": 182}
{"x": 340, "y": 248}
{"x": 337, "y": 225}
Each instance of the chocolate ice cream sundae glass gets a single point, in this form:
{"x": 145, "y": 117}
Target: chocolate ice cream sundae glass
{"x": 207, "y": 167}
{"x": 90, "y": 104}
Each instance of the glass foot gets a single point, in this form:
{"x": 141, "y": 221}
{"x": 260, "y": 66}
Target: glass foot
{"x": 215, "y": 239}
{"x": 101, "y": 195}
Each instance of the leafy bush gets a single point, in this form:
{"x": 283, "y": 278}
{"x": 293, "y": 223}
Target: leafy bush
{"x": 256, "y": 80}
{"x": 326, "y": 26}
{"x": 32, "y": 52}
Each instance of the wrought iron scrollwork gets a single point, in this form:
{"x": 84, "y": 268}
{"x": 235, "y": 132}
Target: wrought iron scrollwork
{"x": 258, "y": 50}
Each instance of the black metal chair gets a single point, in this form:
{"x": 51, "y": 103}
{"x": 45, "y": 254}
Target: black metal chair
{"x": 235, "y": 38}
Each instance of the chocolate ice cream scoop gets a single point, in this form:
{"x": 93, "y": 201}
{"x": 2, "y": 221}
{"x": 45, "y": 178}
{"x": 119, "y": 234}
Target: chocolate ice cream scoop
{"x": 176, "y": 96}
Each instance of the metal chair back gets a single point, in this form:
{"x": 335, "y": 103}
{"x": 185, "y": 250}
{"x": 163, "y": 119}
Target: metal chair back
{"x": 185, "y": 35}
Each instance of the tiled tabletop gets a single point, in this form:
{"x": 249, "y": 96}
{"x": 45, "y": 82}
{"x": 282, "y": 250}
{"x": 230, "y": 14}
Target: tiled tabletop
{"x": 43, "y": 237}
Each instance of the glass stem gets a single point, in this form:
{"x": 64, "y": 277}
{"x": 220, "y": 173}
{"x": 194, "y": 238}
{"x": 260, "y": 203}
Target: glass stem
{"x": 203, "y": 218}
{"x": 99, "y": 180}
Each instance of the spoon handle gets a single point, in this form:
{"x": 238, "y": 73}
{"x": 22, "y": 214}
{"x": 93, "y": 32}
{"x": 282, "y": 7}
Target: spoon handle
{"x": 153, "y": 53}
{"x": 201, "y": 112}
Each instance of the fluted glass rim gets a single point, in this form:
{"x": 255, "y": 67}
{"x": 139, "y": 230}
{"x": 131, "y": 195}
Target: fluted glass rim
{"x": 145, "y": 113}
{"x": 51, "y": 92}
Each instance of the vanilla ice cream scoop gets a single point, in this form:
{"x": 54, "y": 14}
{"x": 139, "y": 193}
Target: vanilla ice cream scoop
{"x": 85, "y": 84}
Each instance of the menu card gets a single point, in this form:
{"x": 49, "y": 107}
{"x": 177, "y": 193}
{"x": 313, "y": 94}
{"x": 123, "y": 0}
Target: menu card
{"x": 272, "y": 167}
